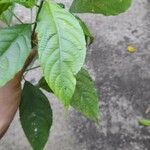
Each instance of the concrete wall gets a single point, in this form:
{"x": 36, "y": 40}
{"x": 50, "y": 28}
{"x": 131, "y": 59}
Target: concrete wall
{"x": 123, "y": 83}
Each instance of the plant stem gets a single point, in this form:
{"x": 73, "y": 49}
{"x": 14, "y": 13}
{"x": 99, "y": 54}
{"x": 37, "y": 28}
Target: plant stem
{"x": 37, "y": 5}
{"x": 35, "y": 25}
{"x": 32, "y": 68}
{"x": 33, "y": 42}
{"x": 23, "y": 77}
{"x": 16, "y": 16}
{"x": 33, "y": 53}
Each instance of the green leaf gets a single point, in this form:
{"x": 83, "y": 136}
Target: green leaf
{"x": 61, "y": 5}
{"x": 85, "y": 98}
{"x": 6, "y": 16}
{"x": 105, "y": 7}
{"x": 15, "y": 46}
{"x": 43, "y": 84}
{"x": 26, "y": 3}
{"x": 144, "y": 122}
{"x": 88, "y": 36}
{"x": 61, "y": 50}
{"x": 4, "y": 7}
{"x": 35, "y": 116}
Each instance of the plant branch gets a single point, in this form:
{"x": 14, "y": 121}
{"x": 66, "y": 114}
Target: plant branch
{"x": 35, "y": 25}
{"x": 29, "y": 59}
{"x": 33, "y": 42}
{"x": 37, "y": 5}
{"x": 32, "y": 68}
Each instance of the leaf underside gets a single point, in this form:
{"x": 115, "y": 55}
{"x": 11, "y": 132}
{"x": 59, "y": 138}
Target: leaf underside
{"x": 15, "y": 46}
{"x": 35, "y": 116}
{"x": 61, "y": 50}
{"x": 85, "y": 98}
{"x": 105, "y": 7}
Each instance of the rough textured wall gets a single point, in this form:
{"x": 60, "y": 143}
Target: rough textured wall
{"x": 123, "y": 83}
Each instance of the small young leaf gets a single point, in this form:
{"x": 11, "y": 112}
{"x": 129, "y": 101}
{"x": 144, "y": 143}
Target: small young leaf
{"x": 35, "y": 116}
{"x": 144, "y": 122}
{"x": 26, "y": 3}
{"x": 14, "y": 49}
{"x": 88, "y": 36}
{"x": 85, "y": 98}
{"x": 105, "y": 7}
{"x": 62, "y": 49}
{"x": 6, "y": 16}
{"x": 43, "y": 84}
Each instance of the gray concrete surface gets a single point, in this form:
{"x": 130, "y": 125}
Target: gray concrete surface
{"x": 123, "y": 83}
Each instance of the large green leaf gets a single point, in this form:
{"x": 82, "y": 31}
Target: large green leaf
{"x": 6, "y": 16}
{"x": 15, "y": 46}
{"x": 26, "y": 3}
{"x": 85, "y": 98}
{"x": 62, "y": 49}
{"x": 106, "y": 7}
{"x": 35, "y": 116}
{"x": 3, "y": 7}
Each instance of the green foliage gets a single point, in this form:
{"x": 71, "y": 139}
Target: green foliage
{"x": 88, "y": 36}
{"x": 3, "y": 7}
{"x": 144, "y": 122}
{"x": 105, "y": 7}
{"x": 6, "y": 16}
{"x": 85, "y": 98}
{"x": 61, "y": 45}
{"x": 35, "y": 116}
{"x": 43, "y": 84}
{"x": 15, "y": 46}
{"x": 61, "y": 5}
{"x": 26, "y": 3}
{"x": 60, "y": 57}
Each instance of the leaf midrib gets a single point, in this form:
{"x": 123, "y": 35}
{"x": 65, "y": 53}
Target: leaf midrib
{"x": 59, "y": 33}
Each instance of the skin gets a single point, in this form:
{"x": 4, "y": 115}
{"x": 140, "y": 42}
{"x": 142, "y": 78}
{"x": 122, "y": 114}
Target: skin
{"x": 9, "y": 102}
{"x": 10, "y": 97}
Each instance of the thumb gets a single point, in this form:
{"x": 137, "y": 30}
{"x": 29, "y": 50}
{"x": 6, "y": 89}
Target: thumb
{"x": 9, "y": 102}
{"x": 10, "y": 97}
